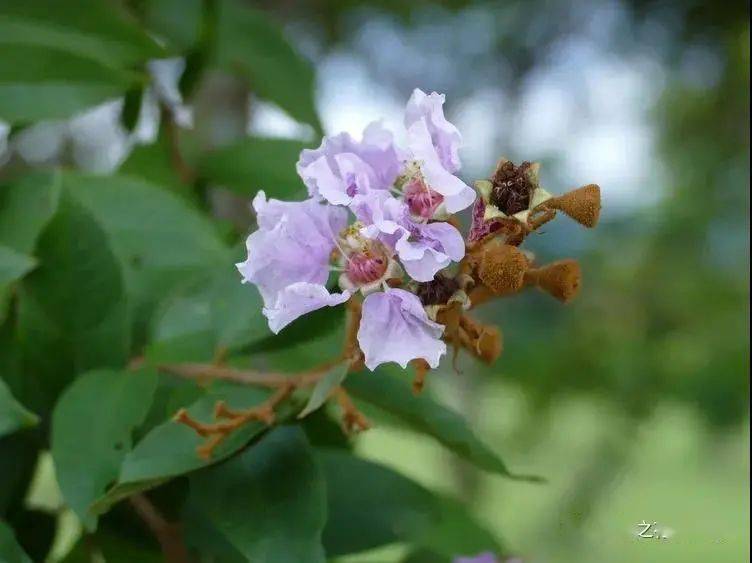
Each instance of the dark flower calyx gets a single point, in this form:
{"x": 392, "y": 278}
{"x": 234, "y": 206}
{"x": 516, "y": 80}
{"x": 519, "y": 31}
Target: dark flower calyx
{"x": 437, "y": 291}
{"x": 512, "y": 188}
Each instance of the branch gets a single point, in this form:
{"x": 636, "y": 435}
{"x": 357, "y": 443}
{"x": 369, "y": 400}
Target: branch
{"x": 167, "y": 534}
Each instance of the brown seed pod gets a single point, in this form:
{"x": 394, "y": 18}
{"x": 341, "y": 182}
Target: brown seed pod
{"x": 583, "y": 204}
{"x": 560, "y": 279}
{"x": 502, "y": 268}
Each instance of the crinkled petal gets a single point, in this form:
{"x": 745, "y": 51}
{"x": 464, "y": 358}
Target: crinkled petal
{"x": 394, "y": 327}
{"x": 298, "y": 299}
{"x": 377, "y": 154}
{"x": 429, "y": 249}
{"x": 293, "y": 244}
{"x": 457, "y": 194}
{"x": 445, "y": 137}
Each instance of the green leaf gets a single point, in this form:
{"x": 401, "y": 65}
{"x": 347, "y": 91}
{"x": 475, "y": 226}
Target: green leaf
{"x": 13, "y": 415}
{"x": 10, "y": 551}
{"x": 13, "y": 265}
{"x": 96, "y": 29}
{"x": 324, "y": 387}
{"x": 252, "y": 45}
{"x": 178, "y": 21}
{"x": 169, "y": 449}
{"x": 370, "y": 505}
{"x": 26, "y": 206}
{"x": 211, "y": 313}
{"x": 39, "y": 83}
{"x": 255, "y": 164}
{"x": 158, "y": 238}
{"x": 270, "y": 501}
{"x": 153, "y": 163}
{"x": 72, "y": 313}
{"x": 391, "y": 392}
{"x": 91, "y": 428}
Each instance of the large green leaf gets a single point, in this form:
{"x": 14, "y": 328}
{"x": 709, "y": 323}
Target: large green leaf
{"x": 26, "y": 206}
{"x": 97, "y": 29}
{"x": 91, "y": 428}
{"x": 255, "y": 164}
{"x": 72, "y": 313}
{"x": 13, "y": 415}
{"x": 390, "y": 391}
{"x": 10, "y": 551}
{"x": 169, "y": 449}
{"x": 270, "y": 501}
{"x": 159, "y": 239}
{"x": 251, "y": 44}
{"x": 39, "y": 83}
{"x": 212, "y": 313}
{"x": 371, "y": 505}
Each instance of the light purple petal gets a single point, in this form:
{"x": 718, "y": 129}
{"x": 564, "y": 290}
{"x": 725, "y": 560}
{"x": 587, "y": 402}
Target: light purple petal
{"x": 445, "y": 137}
{"x": 298, "y": 299}
{"x": 375, "y": 157}
{"x": 293, "y": 244}
{"x": 457, "y": 194}
{"x": 394, "y": 327}
{"x": 430, "y": 248}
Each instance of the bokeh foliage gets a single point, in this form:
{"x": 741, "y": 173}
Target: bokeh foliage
{"x": 99, "y": 273}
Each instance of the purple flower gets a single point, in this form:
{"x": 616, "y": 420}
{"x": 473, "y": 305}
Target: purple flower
{"x": 394, "y": 327}
{"x": 434, "y": 143}
{"x": 342, "y": 167}
{"x": 292, "y": 246}
{"x": 423, "y": 248}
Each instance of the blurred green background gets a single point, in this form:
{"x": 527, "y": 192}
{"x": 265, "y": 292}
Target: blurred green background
{"x": 633, "y": 399}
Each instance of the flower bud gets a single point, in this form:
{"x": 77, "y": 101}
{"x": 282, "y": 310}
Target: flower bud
{"x": 560, "y": 279}
{"x": 583, "y": 204}
{"x": 502, "y": 268}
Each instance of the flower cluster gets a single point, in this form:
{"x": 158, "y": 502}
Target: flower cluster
{"x": 382, "y": 217}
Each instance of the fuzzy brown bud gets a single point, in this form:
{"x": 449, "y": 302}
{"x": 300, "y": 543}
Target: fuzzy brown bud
{"x": 583, "y": 204}
{"x": 502, "y": 268}
{"x": 560, "y": 279}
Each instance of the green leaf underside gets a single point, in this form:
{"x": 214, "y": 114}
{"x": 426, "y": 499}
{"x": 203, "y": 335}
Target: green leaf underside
{"x": 169, "y": 449}
{"x": 13, "y": 415}
{"x": 324, "y": 387}
{"x": 270, "y": 501}
{"x": 390, "y": 391}
{"x": 370, "y": 505}
{"x": 91, "y": 428}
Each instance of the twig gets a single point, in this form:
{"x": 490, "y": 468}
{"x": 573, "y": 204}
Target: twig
{"x": 167, "y": 534}
{"x": 352, "y": 419}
